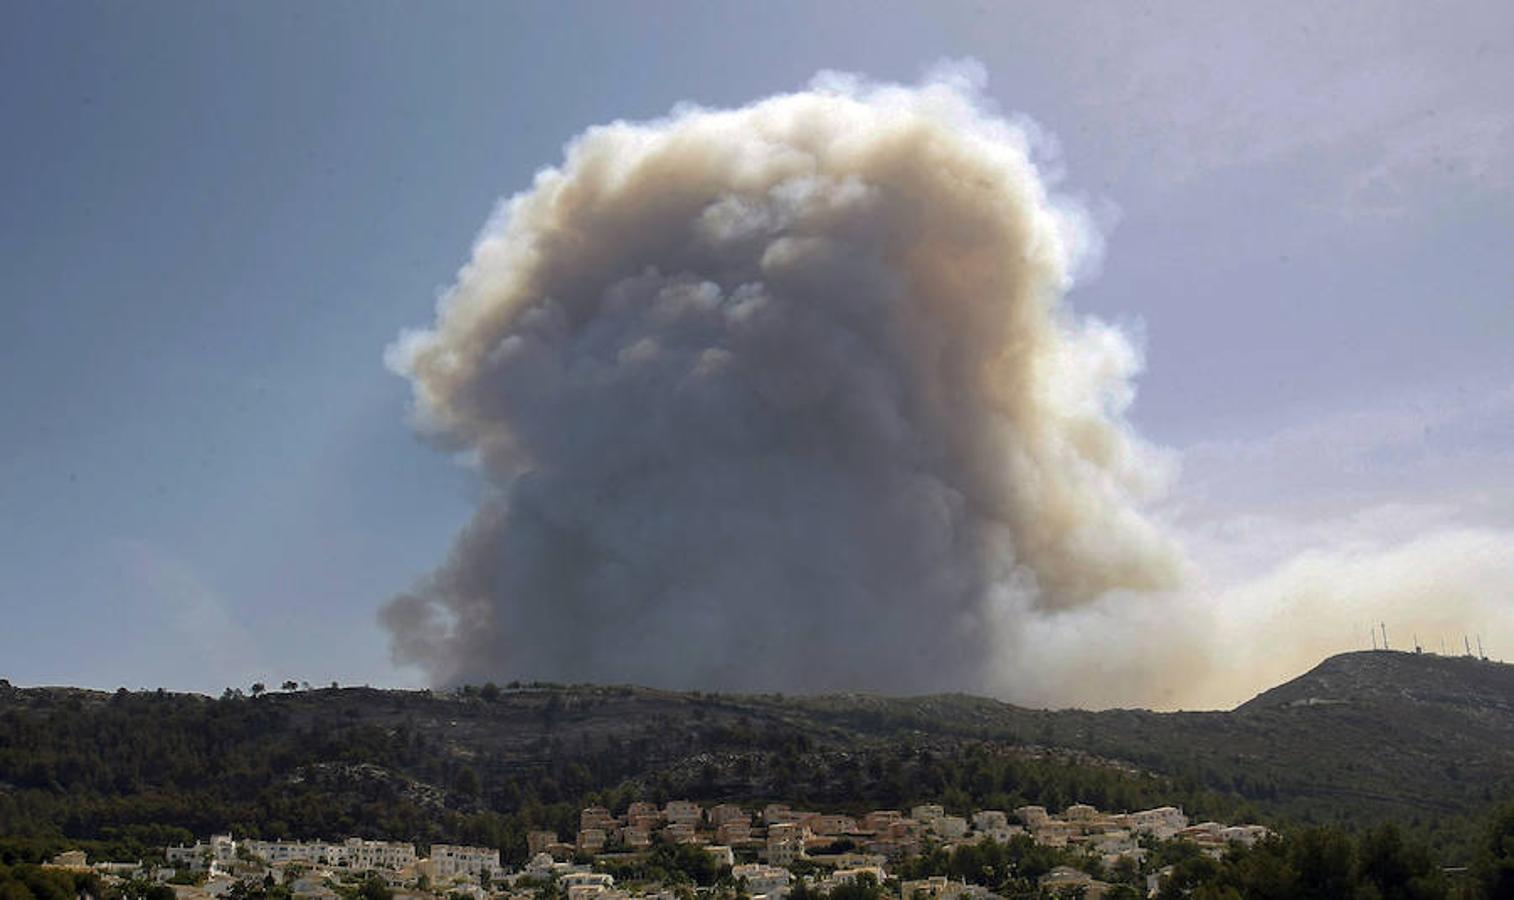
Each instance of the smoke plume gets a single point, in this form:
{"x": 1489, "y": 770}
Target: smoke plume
{"x": 781, "y": 397}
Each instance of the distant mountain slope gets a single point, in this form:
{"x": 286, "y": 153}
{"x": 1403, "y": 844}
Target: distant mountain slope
{"x": 1382, "y": 678}
{"x": 1400, "y": 729}
{"x": 1362, "y": 737}
{"x": 1373, "y": 733}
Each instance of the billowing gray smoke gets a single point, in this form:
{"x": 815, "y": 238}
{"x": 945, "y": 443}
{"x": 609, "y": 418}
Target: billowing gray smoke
{"x": 783, "y": 397}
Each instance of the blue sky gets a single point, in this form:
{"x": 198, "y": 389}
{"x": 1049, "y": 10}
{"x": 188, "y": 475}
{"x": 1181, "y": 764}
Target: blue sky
{"x": 213, "y": 218}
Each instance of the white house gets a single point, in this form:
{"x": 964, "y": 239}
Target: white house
{"x": 927, "y": 812}
{"x": 448, "y": 861}
{"x": 772, "y": 881}
{"x": 1162, "y": 822}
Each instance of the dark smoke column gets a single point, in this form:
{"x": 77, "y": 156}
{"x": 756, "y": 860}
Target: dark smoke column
{"x": 782, "y": 397}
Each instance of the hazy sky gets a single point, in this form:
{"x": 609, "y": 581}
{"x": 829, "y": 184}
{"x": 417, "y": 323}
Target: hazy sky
{"x": 213, "y": 218}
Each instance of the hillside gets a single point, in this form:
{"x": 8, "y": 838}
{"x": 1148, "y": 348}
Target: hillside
{"x": 1362, "y": 737}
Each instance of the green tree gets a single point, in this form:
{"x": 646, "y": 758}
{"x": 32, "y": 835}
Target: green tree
{"x": 1397, "y": 869}
{"x": 467, "y": 782}
{"x": 375, "y": 888}
{"x": 1323, "y": 859}
{"x": 1495, "y": 867}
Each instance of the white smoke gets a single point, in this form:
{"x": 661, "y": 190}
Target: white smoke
{"x": 1216, "y": 645}
{"x": 783, "y": 397}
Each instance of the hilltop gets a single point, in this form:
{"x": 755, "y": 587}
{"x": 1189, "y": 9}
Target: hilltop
{"x": 1390, "y": 677}
{"x": 1363, "y": 737}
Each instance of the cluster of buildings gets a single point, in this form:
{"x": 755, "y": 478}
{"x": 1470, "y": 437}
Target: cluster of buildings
{"x": 763, "y": 848}
{"x": 779, "y": 834}
{"x": 1112, "y": 836}
{"x": 355, "y": 853}
{"x": 310, "y": 867}
{"x": 770, "y": 841}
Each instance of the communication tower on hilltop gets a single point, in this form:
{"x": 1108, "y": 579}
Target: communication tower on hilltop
{"x": 1480, "y": 655}
{"x": 1467, "y": 644}
{"x": 1417, "y": 647}
{"x": 1384, "y": 627}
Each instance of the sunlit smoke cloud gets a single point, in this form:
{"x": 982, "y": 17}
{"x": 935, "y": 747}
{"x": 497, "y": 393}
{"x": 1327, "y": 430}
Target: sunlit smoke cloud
{"x": 784, "y": 397}
{"x": 1215, "y": 646}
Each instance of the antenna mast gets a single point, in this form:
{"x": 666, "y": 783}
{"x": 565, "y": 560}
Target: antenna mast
{"x": 1384, "y": 627}
{"x": 1466, "y": 643}
{"x": 1373, "y": 632}
{"x": 1480, "y": 654}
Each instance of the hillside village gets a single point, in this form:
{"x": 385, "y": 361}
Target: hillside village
{"x": 121, "y": 774}
{"x": 766, "y": 855}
